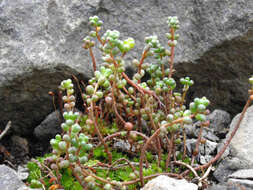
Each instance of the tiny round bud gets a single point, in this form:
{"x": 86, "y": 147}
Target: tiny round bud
{"x": 128, "y": 126}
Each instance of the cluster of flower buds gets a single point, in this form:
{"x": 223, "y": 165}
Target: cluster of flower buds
{"x": 95, "y": 21}
{"x": 69, "y": 99}
{"x": 114, "y": 44}
{"x": 156, "y": 48}
{"x": 198, "y": 107}
{"x": 88, "y": 43}
{"x": 173, "y": 22}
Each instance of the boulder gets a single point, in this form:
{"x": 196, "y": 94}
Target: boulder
{"x": 41, "y": 44}
{"x": 9, "y": 180}
{"x": 219, "y": 122}
{"x": 225, "y": 186}
{"x": 166, "y": 183}
{"x": 241, "y": 144}
{"x": 242, "y": 177}
{"x": 49, "y": 127}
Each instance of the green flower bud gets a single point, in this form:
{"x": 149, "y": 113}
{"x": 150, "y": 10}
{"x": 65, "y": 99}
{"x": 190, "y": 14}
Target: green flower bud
{"x": 72, "y": 158}
{"x": 72, "y": 150}
{"x": 187, "y": 120}
{"x": 89, "y": 89}
{"x": 62, "y": 145}
{"x": 107, "y": 186}
{"x": 200, "y": 117}
{"x": 64, "y": 164}
{"x": 83, "y": 159}
{"x": 201, "y": 108}
{"x": 89, "y": 179}
{"x": 76, "y": 128}
{"x": 65, "y": 127}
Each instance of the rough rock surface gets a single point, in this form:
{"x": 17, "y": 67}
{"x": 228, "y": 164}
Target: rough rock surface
{"x": 242, "y": 177}
{"x": 40, "y": 45}
{"x": 225, "y": 186}
{"x": 9, "y": 179}
{"x": 241, "y": 144}
{"x": 219, "y": 122}
{"x": 49, "y": 127}
{"x": 167, "y": 183}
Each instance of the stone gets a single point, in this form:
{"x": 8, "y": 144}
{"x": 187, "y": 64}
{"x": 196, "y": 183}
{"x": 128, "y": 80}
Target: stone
{"x": 123, "y": 146}
{"x": 19, "y": 149}
{"x": 9, "y": 179}
{"x": 41, "y": 44}
{"x": 243, "y": 182}
{"x": 242, "y": 174}
{"x": 242, "y": 141}
{"x": 228, "y": 166}
{"x": 166, "y": 183}
{"x": 204, "y": 159}
{"x": 243, "y": 177}
{"x": 49, "y": 127}
{"x": 225, "y": 186}
{"x": 209, "y": 147}
{"x": 22, "y": 173}
{"x": 219, "y": 122}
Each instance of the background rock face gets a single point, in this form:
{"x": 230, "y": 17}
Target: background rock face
{"x": 40, "y": 45}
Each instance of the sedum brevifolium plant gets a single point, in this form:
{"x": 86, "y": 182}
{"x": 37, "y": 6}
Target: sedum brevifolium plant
{"x": 148, "y": 114}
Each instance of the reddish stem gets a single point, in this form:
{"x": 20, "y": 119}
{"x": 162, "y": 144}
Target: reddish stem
{"x": 93, "y": 59}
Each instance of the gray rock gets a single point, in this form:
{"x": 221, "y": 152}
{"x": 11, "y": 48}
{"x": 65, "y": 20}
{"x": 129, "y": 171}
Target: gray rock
{"x": 190, "y": 146}
{"x": 192, "y": 131}
{"x": 228, "y": 166}
{"x": 219, "y": 122}
{"x": 242, "y": 174}
{"x": 9, "y": 179}
{"x": 242, "y": 177}
{"x": 49, "y": 127}
{"x": 242, "y": 141}
{"x": 40, "y": 43}
{"x": 167, "y": 183}
{"x": 123, "y": 146}
{"x": 244, "y": 182}
{"x": 204, "y": 159}
{"x": 19, "y": 148}
{"x": 22, "y": 173}
{"x": 225, "y": 186}
{"x": 209, "y": 147}
{"x": 204, "y": 149}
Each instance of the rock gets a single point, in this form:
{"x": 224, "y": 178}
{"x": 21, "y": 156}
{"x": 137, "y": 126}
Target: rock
{"x": 242, "y": 177}
{"x": 242, "y": 141}
{"x": 166, "y": 183}
{"x": 9, "y": 179}
{"x": 209, "y": 147}
{"x": 225, "y": 186}
{"x": 190, "y": 146}
{"x": 22, "y": 173}
{"x": 41, "y": 45}
{"x": 19, "y": 149}
{"x": 192, "y": 131}
{"x": 204, "y": 149}
{"x": 123, "y": 146}
{"x": 243, "y": 182}
{"x": 228, "y": 166}
{"x": 204, "y": 159}
{"x": 243, "y": 174}
{"x": 219, "y": 122}
{"x": 49, "y": 127}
